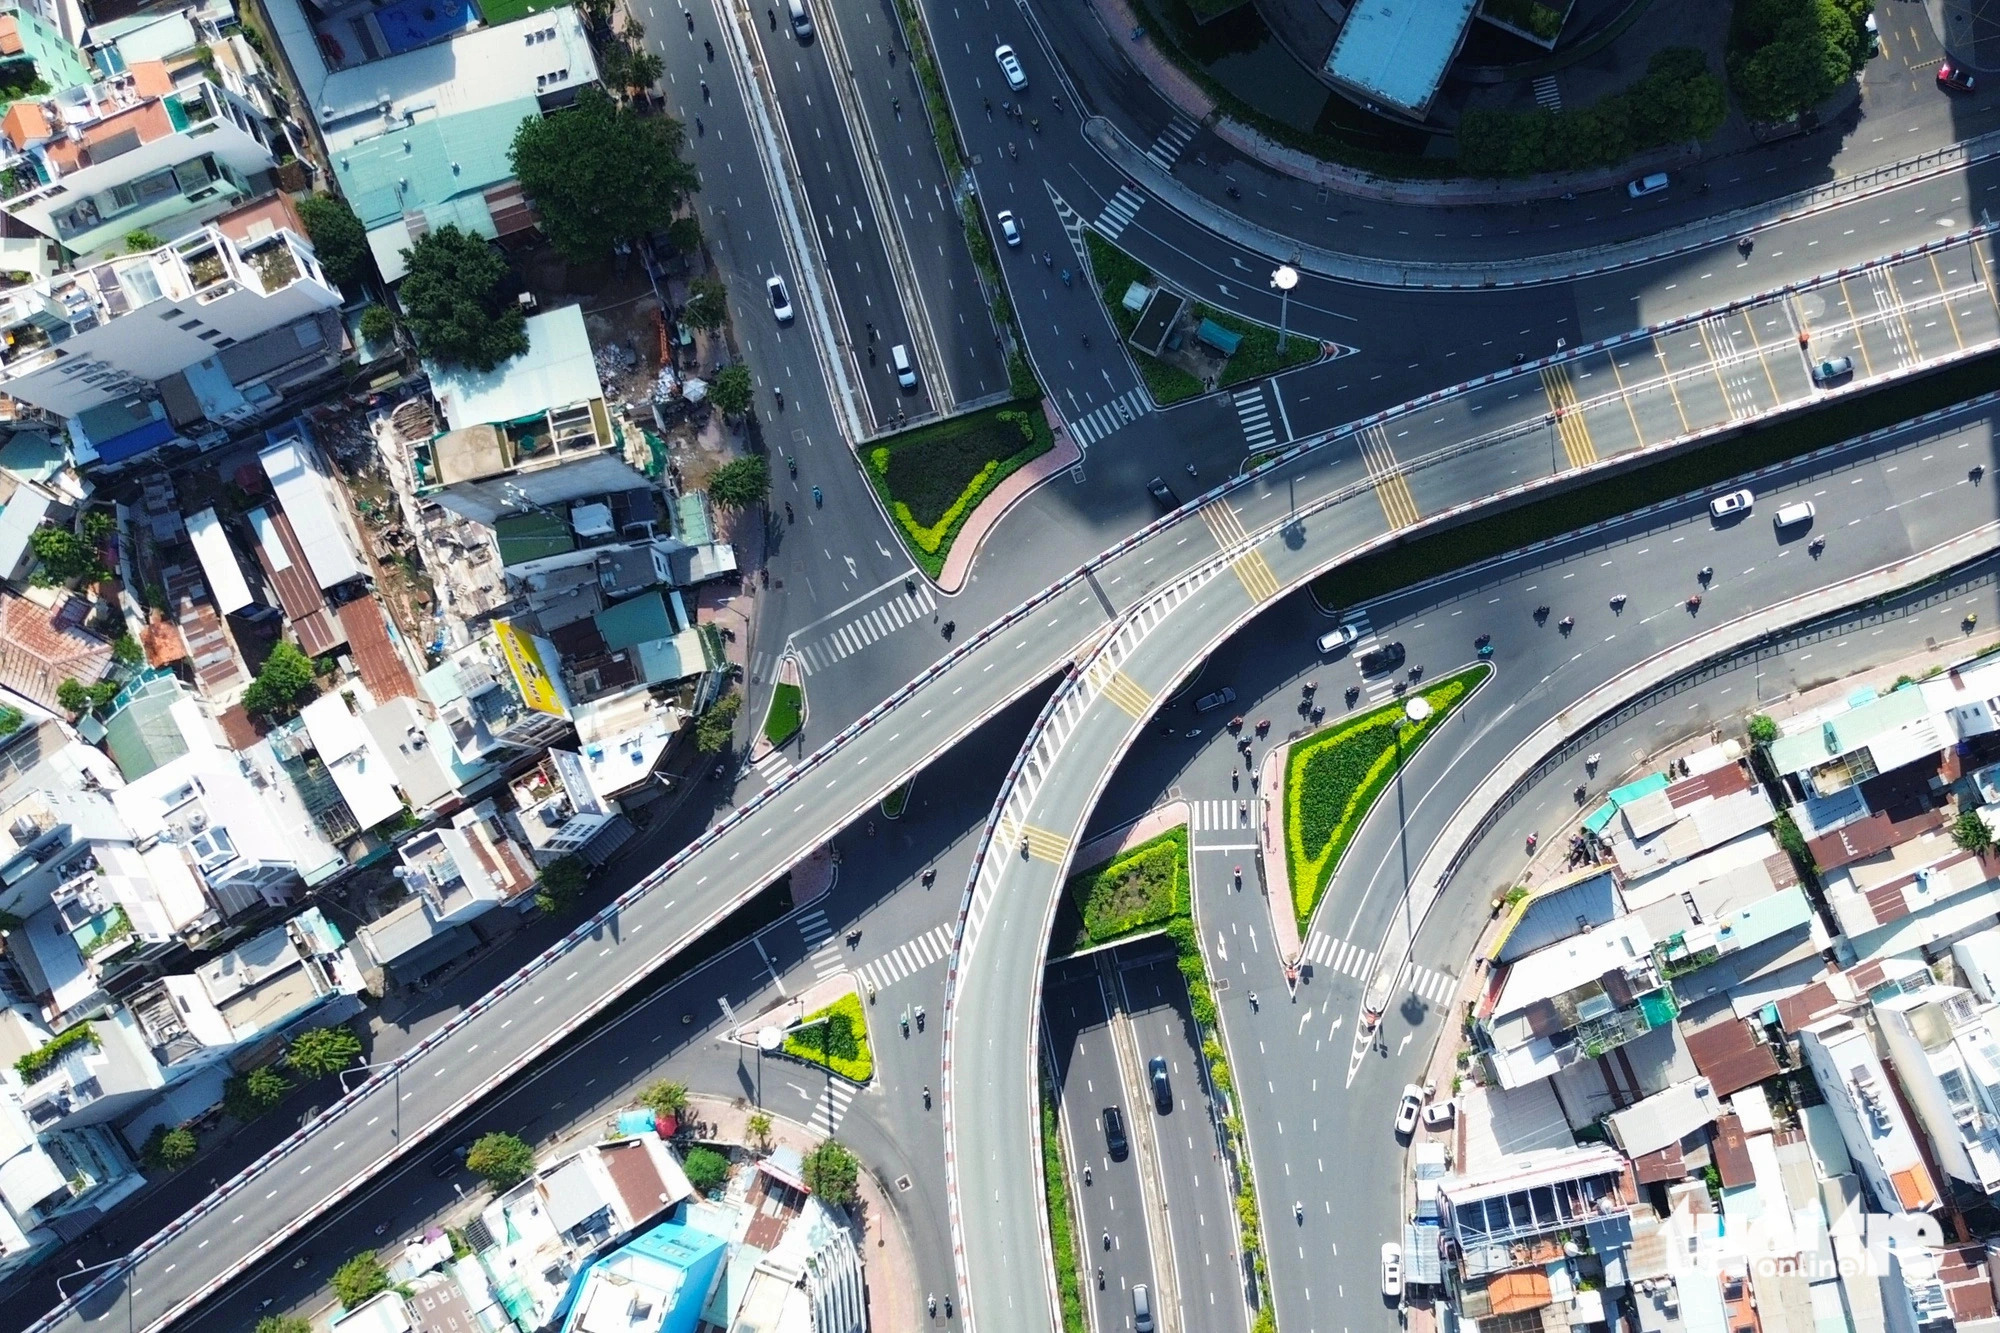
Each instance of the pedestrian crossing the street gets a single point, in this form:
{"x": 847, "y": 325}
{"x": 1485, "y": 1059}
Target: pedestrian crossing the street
{"x": 895, "y": 611}
{"x": 1259, "y": 430}
{"x": 832, "y": 1105}
{"x": 1235, "y": 815}
{"x": 1168, "y": 146}
{"x": 1428, "y": 986}
{"x": 1118, "y": 211}
{"x": 1547, "y": 95}
{"x": 1349, "y": 959}
{"x": 773, "y": 767}
{"x": 930, "y": 947}
{"x": 1125, "y": 408}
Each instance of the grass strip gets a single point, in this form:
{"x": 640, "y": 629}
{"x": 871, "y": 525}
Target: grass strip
{"x": 1333, "y": 779}
{"x": 1135, "y": 891}
{"x": 1062, "y": 1219}
{"x": 836, "y": 1038}
{"x": 1257, "y": 355}
{"x": 787, "y": 714}
{"x": 933, "y": 477}
{"x": 1434, "y": 554}
{"x": 896, "y": 802}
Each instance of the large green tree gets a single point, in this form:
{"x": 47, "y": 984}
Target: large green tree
{"x": 741, "y": 482}
{"x": 501, "y": 1158}
{"x": 322, "y": 1051}
{"x": 832, "y": 1173}
{"x": 286, "y": 680}
{"x": 601, "y": 173}
{"x": 731, "y": 391}
{"x": 338, "y": 239}
{"x": 359, "y": 1278}
{"x": 1787, "y": 56}
{"x": 455, "y": 303}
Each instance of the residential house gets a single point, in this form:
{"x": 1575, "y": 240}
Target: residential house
{"x": 1507, "y": 1228}
{"x": 1569, "y": 1001}
{"x": 657, "y": 1282}
{"x": 1878, "y": 1138}
{"x": 455, "y": 873}
{"x": 1944, "y": 1044}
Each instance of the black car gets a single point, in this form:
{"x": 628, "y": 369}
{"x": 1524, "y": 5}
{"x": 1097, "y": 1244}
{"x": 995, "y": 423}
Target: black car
{"x": 1163, "y": 1092}
{"x": 1164, "y": 493}
{"x": 1382, "y": 657}
{"x": 1114, "y": 1133}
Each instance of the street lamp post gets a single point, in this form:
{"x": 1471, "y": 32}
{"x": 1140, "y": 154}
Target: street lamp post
{"x": 1284, "y": 278}
{"x": 1415, "y": 710}
{"x": 131, "y": 1320}
{"x": 769, "y": 1039}
{"x": 395, "y": 1069}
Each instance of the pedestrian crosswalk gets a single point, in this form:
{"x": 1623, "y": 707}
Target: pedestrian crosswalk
{"x": 1215, "y": 816}
{"x": 1547, "y": 95}
{"x": 1428, "y": 986}
{"x": 1377, "y": 688}
{"x": 831, "y": 1106}
{"x": 930, "y": 947}
{"x": 1118, "y": 211}
{"x": 822, "y": 949}
{"x": 896, "y": 610}
{"x": 1351, "y": 959}
{"x": 1259, "y": 431}
{"x": 1172, "y": 140}
{"x": 1095, "y": 425}
{"x": 773, "y": 767}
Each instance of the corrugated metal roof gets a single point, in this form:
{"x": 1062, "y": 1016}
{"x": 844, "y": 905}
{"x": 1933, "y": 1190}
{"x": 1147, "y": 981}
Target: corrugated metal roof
{"x": 218, "y": 562}
{"x": 557, "y": 370}
{"x": 305, "y": 494}
{"x": 413, "y": 168}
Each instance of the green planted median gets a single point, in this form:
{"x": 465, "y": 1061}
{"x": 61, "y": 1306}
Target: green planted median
{"x": 1255, "y": 356}
{"x": 835, "y": 1037}
{"x": 1332, "y": 780}
{"x": 932, "y": 478}
{"x": 787, "y": 714}
{"x": 1133, "y": 892}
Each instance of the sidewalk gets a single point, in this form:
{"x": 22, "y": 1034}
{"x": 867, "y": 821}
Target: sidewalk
{"x": 1109, "y": 846}
{"x": 965, "y": 546}
{"x": 1285, "y": 936}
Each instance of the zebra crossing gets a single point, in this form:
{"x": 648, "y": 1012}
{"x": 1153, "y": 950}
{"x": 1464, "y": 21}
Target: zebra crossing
{"x": 773, "y": 767}
{"x": 831, "y": 1106}
{"x": 1547, "y": 95}
{"x": 1349, "y": 959}
{"x": 1226, "y": 816}
{"x": 1376, "y": 688}
{"x": 1168, "y": 146}
{"x": 930, "y": 947}
{"x": 1127, "y": 407}
{"x": 871, "y": 625}
{"x": 1118, "y": 211}
{"x": 1428, "y": 986}
{"x": 1259, "y": 431}
{"x": 822, "y": 949}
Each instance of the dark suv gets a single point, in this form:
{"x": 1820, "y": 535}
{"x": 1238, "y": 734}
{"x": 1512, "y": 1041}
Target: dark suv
{"x": 1382, "y": 657}
{"x": 1114, "y": 1133}
{"x": 1163, "y": 1092}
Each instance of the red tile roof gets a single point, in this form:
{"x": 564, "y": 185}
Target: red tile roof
{"x": 1867, "y": 837}
{"x": 382, "y": 667}
{"x": 40, "y": 649}
{"x": 1729, "y": 1057}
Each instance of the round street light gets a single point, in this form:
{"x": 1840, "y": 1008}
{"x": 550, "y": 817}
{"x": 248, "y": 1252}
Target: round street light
{"x": 1284, "y": 278}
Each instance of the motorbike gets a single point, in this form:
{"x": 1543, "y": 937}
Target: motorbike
{"x": 819, "y": 500}
{"x": 792, "y": 466}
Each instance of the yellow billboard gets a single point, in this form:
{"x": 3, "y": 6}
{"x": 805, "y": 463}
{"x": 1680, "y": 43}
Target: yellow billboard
{"x": 525, "y": 658}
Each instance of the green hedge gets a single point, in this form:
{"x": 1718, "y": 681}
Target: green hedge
{"x": 932, "y": 478}
{"x": 787, "y": 713}
{"x": 1333, "y": 779}
{"x": 840, "y": 1043}
{"x": 1062, "y": 1222}
{"x": 1136, "y": 891}
{"x": 40, "y": 1060}
{"x": 896, "y": 802}
{"x": 1677, "y": 100}
{"x": 1257, "y": 355}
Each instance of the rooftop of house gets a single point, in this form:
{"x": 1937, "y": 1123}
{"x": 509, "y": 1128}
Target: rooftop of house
{"x": 1397, "y": 51}
{"x": 1856, "y": 1075}
{"x": 558, "y": 370}
{"x": 43, "y": 645}
{"x": 1618, "y": 946}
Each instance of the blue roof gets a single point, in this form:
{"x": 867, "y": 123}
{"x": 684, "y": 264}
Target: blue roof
{"x": 418, "y": 167}
{"x": 139, "y": 440}
{"x": 1395, "y": 52}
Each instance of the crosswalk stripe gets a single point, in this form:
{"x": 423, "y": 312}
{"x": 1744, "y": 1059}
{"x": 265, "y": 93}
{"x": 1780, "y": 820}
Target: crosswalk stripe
{"x": 1390, "y": 486}
{"x": 1043, "y": 844}
{"x": 1118, "y": 211}
{"x": 1547, "y": 94}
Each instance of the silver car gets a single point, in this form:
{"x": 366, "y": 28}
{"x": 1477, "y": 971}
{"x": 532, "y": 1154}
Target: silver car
{"x": 1010, "y": 65}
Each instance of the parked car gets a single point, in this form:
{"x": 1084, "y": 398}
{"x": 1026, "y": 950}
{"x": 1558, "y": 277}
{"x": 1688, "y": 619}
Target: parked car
{"x": 1646, "y": 185}
{"x": 1208, "y": 703}
{"x": 1382, "y": 657}
{"x": 1163, "y": 1091}
{"x": 781, "y": 301}
{"x": 1408, "y": 1109}
{"x": 1955, "y": 77}
{"x": 1114, "y": 1133}
{"x": 1439, "y": 1114}
{"x": 1010, "y": 65}
{"x": 1163, "y": 493}
{"x": 1010, "y": 226}
{"x": 1392, "y": 1268}
{"x": 1732, "y": 504}
{"x": 1833, "y": 369}
{"x": 1339, "y": 640}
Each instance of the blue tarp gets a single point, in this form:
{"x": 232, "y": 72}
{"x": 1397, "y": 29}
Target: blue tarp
{"x": 137, "y": 441}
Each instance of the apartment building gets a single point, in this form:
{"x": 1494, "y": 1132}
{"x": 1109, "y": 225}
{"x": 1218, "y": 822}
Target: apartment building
{"x": 1879, "y": 1139}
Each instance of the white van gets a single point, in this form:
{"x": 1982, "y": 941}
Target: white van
{"x": 1142, "y": 1309}
{"x": 1791, "y": 514}
{"x": 899, "y": 361}
{"x": 1646, "y": 185}
{"x": 802, "y": 24}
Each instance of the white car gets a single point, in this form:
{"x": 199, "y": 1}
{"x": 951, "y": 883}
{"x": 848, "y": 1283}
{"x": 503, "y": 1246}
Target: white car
{"x": 1010, "y": 65}
{"x": 1392, "y": 1269}
{"x": 1010, "y": 226}
{"x": 1338, "y": 640}
{"x": 781, "y": 303}
{"x": 1736, "y": 502}
{"x": 1439, "y": 1114}
{"x": 1408, "y": 1109}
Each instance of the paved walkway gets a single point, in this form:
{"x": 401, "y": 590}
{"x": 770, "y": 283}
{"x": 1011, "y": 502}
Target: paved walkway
{"x": 1109, "y": 846}
{"x": 1285, "y": 936}
{"x": 965, "y": 546}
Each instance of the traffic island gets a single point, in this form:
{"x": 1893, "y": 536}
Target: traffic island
{"x": 1333, "y": 777}
{"x": 1183, "y": 348}
{"x": 824, "y": 1026}
{"x": 933, "y": 478}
